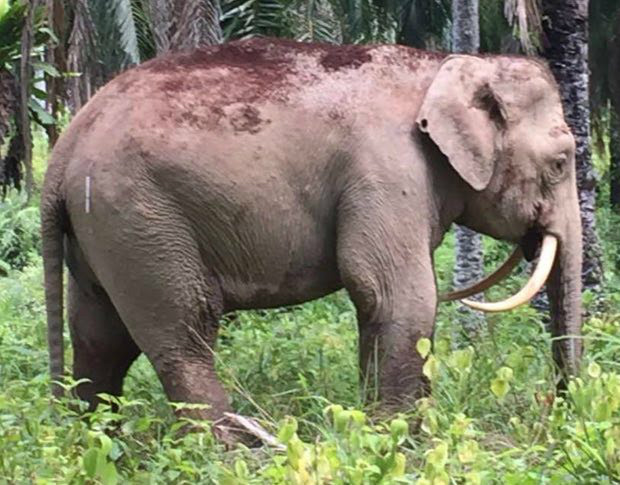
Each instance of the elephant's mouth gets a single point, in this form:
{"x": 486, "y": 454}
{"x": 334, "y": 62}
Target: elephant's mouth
{"x": 531, "y": 243}
{"x": 528, "y": 248}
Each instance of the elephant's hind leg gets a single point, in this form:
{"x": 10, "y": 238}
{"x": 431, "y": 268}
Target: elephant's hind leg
{"x": 103, "y": 350}
{"x": 171, "y": 306}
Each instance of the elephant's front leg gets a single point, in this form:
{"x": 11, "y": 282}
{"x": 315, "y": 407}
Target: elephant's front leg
{"x": 390, "y": 279}
{"x": 391, "y": 368}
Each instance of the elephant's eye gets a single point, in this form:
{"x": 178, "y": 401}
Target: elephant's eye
{"x": 558, "y": 167}
{"x": 560, "y": 163}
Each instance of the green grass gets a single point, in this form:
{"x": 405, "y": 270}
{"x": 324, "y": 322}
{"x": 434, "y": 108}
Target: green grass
{"x": 492, "y": 417}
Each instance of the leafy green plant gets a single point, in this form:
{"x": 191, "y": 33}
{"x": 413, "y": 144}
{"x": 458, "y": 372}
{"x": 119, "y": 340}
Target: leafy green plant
{"x": 19, "y": 233}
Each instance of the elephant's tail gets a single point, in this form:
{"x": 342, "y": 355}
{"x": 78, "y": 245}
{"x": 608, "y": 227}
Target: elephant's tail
{"x": 53, "y": 224}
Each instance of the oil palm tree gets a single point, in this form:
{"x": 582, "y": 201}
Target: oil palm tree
{"x": 469, "y": 266}
{"x": 565, "y": 45}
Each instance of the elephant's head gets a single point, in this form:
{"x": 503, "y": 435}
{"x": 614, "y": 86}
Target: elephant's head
{"x": 499, "y": 122}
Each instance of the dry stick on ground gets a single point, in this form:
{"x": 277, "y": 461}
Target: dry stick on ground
{"x": 251, "y": 426}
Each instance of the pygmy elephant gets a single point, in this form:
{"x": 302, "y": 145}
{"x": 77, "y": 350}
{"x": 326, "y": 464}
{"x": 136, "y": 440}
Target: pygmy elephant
{"x": 265, "y": 173}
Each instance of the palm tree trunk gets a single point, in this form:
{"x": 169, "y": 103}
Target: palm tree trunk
{"x": 465, "y": 26}
{"x": 24, "y": 81}
{"x": 9, "y": 107}
{"x": 469, "y": 265}
{"x": 565, "y": 28}
{"x": 55, "y": 56}
{"x": 614, "y": 135}
{"x": 614, "y": 163}
{"x": 8, "y": 102}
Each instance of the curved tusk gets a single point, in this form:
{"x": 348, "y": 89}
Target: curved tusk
{"x": 533, "y": 286}
{"x": 502, "y": 272}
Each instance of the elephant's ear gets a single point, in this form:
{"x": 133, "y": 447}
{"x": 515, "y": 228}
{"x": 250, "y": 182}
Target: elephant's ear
{"x": 463, "y": 116}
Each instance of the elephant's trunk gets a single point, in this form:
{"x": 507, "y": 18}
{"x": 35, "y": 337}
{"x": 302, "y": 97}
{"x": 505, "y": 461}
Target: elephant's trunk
{"x": 564, "y": 290}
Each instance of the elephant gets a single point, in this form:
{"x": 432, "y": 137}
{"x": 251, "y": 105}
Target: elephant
{"x": 265, "y": 173}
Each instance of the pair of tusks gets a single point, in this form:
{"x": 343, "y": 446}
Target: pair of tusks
{"x": 533, "y": 286}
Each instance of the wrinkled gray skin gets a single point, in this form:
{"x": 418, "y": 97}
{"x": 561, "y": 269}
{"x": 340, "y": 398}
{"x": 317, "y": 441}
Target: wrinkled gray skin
{"x": 267, "y": 173}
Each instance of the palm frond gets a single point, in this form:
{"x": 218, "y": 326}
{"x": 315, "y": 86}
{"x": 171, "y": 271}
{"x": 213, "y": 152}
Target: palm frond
{"x": 144, "y": 29}
{"x": 253, "y": 18}
{"x": 195, "y": 22}
{"x": 158, "y": 13}
{"x": 315, "y": 20}
{"x": 80, "y": 58}
{"x": 11, "y": 24}
{"x": 124, "y": 12}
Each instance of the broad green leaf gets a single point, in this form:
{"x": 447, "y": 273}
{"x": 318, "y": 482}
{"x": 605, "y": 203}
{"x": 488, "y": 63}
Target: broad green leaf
{"x": 438, "y": 456}
{"x": 505, "y": 373}
{"x": 89, "y": 461}
{"x": 43, "y": 115}
{"x": 462, "y": 359}
{"x": 295, "y": 452}
{"x": 423, "y": 347}
{"x": 473, "y": 478}
{"x": 109, "y": 475}
{"x": 4, "y": 7}
{"x": 341, "y": 420}
{"x": 287, "y": 430}
{"x": 46, "y": 67}
{"x": 431, "y": 368}
{"x": 398, "y": 470}
{"x": 241, "y": 469}
{"x": 467, "y": 451}
{"x": 358, "y": 417}
{"x": 106, "y": 444}
{"x": 398, "y": 428}
{"x": 500, "y": 387}
{"x": 594, "y": 370}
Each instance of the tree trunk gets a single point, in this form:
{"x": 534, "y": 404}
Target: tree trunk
{"x": 55, "y": 56}
{"x": 8, "y": 102}
{"x": 565, "y": 28}
{"x": 465, "y": 26}
{"x": 614, "y": 88}
{"x": 10, "y": 174}
{"x": 185, "y": 24}
{"x": 25, "y": 74}
{"x": 614, "y": 163}
{"x": 469, "y": 265}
